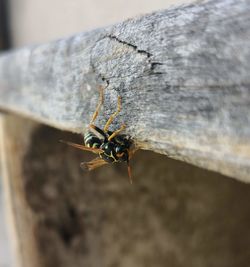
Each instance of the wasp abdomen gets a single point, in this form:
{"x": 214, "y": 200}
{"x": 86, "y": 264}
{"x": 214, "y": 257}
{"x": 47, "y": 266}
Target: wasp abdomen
{"x": 91, "y": 140}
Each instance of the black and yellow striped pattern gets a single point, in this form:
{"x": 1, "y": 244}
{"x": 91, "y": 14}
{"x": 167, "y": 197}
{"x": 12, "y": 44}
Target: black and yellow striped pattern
{"x": 90, "y": 140}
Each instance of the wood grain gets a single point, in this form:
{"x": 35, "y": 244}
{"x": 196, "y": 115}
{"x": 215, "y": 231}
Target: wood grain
{"x": 182, "y": 73}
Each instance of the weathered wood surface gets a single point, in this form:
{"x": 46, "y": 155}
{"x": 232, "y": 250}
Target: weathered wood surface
{"x": 182, "y": 73}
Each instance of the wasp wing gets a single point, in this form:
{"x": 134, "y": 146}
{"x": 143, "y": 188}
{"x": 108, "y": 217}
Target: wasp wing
{"x": 93, "y": 164}
{"x": 92, "y": 149}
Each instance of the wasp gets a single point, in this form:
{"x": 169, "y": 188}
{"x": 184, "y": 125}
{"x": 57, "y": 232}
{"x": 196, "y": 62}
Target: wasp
{"x": 111, "y": 146}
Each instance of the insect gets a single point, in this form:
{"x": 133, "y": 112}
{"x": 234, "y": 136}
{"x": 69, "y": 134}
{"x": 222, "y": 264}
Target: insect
{"x": 111, "y": 147}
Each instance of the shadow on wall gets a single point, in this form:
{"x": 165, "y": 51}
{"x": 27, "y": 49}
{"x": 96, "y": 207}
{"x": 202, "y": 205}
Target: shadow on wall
{"x": 174, "y": 213}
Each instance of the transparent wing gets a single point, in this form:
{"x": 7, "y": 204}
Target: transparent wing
{"x": 93, "y": 164}
{"x": 94, "y": 150}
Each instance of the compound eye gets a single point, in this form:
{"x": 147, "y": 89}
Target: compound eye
{"x": 118, "y": 149}
{"x": 106, "y": 146}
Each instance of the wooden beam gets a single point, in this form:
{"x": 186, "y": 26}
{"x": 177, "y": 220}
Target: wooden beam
{"x": 182, "y": 73}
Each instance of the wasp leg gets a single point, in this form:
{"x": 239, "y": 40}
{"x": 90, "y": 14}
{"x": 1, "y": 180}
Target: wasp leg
{"x": 113, "y": 115}
{"x": 129, "y": 174}
{"x": 98, "y": 106}
{"x": 130, "y": 154}
{"x": 115, "y": 133}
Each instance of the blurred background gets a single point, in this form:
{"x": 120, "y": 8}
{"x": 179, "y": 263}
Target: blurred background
{"x": 176, "y": 214}
{"x": 5, "y": 250}
{"x": 36, "y": 21}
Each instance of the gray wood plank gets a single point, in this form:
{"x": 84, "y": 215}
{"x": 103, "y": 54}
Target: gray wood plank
{"x": 182, "y": 73}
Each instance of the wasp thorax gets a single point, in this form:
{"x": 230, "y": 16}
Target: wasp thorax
{"x": 114, "y": 152}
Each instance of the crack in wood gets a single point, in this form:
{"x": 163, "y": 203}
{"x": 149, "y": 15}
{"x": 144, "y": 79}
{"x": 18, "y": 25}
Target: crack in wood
{"x": 152, "y": 65}
{"x": 135, "y": 47}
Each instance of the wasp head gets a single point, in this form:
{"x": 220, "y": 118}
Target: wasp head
{"x": 114, "y": 152}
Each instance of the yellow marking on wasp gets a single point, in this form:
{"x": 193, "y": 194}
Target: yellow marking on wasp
{"x": 112, "y": 156}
